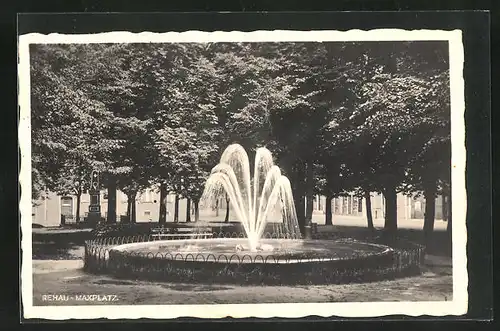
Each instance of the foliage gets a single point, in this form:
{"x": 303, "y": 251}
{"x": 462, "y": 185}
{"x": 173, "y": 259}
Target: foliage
{"x": 365, "y": 115}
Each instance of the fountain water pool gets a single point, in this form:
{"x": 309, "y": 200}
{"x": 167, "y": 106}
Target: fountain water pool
{"x": 284, "y": 250}
{"x": 253, "y": 199}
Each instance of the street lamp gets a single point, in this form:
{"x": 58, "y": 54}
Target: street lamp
{"x": 94, "y": 180}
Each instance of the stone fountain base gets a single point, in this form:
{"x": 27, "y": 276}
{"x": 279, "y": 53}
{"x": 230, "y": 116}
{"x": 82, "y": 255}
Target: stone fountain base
{"x": 289, "y": 261}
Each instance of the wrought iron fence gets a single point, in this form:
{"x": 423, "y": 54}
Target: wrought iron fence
{"x": 100, "y": 257}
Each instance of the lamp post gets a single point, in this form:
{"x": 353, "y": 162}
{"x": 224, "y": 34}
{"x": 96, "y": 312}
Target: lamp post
{"x": 188, "y": 205}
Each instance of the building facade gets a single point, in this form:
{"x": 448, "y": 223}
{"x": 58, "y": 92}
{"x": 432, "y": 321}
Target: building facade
{"x": 408, "y": 207}
{"x": 47, "y": 211}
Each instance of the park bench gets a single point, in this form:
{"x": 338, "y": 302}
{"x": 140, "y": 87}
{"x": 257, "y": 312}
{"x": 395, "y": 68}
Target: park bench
{"x": 181, "y": 233}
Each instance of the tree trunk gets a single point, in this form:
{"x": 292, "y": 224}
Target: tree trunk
{"x": 226, "y": 218}
{"x": 188, "y": 210}
{"x": 133, "y": 218}
{"x": 309, "y": 193}
{"x": 369, "y": 216}
{"x": 328, "y": 211}
{"x": 196, "y": 210}
{"x": 163, "y": 204}
{"x": 78, "y": 201}
{"x": 430, "y": 211}
{"x": 111, "y": 217}
{"x": 176, "y": 209}
{"x": 129, "y": 209}
{"x": 298, "y": 195}
{"x": 391, "y": 211}
{"x": 217, "y": 207}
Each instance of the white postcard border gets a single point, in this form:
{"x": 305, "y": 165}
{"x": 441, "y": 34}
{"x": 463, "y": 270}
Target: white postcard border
{"x": 457, "y": 306}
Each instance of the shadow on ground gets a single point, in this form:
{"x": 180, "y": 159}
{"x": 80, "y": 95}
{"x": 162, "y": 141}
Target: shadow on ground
{"x": 64, "y": 245}
{"x": 434, "y": 284}
{"x": 57, "y": 251}
{"x": 438, "y": 244}
{"x": 56, "y": 243}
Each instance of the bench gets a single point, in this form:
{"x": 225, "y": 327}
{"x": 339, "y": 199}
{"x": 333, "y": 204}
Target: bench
{"x": 202, "y": 235}
{"x": 181, "y": 233}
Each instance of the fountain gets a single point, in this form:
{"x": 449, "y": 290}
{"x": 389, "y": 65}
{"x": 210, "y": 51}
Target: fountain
{"x": 286, "y": 258}
{"x": 253, "y": 199}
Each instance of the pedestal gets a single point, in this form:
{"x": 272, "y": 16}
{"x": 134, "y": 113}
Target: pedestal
{"x": 94, "y": 216}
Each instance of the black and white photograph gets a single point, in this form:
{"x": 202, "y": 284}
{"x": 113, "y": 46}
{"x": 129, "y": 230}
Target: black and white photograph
{"x": 242, "y": 174}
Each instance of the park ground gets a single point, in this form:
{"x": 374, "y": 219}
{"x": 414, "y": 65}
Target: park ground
{"x": 57, "y": 270}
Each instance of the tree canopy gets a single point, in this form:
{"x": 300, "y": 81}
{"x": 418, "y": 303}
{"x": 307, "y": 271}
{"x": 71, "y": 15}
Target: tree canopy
{"x": 361, "y": 116}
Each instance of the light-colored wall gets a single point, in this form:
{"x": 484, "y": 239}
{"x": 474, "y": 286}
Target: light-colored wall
{"x": 47, "y": 211}
{"x": 407, "y": 207}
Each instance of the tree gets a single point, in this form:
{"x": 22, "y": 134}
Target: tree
{"x": 393, "y": 101}
{"x": 430, "y": 169}
{"x": 275, "y": 110}
{"x": 188, "y": 210}
{"x": 338, "y": 117}
{"x": 67, "y": 125}
{"x": 73, "y": 180}
{"x": 332, "y": 182}
{"x": 369, "y": 215}
{"x": 116, "y": 79}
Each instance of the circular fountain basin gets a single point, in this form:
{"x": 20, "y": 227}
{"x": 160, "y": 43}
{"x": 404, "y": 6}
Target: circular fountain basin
{"x": 236, "y": 250}
{"x": 229, "y": 260}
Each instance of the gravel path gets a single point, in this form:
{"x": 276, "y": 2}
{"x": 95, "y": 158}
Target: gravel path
{"x": 66, "y": 277}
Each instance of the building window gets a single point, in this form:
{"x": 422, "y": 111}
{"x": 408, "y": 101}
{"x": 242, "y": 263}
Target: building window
{"x": 360, "y": 205}
{"x": 66, "y": 206}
